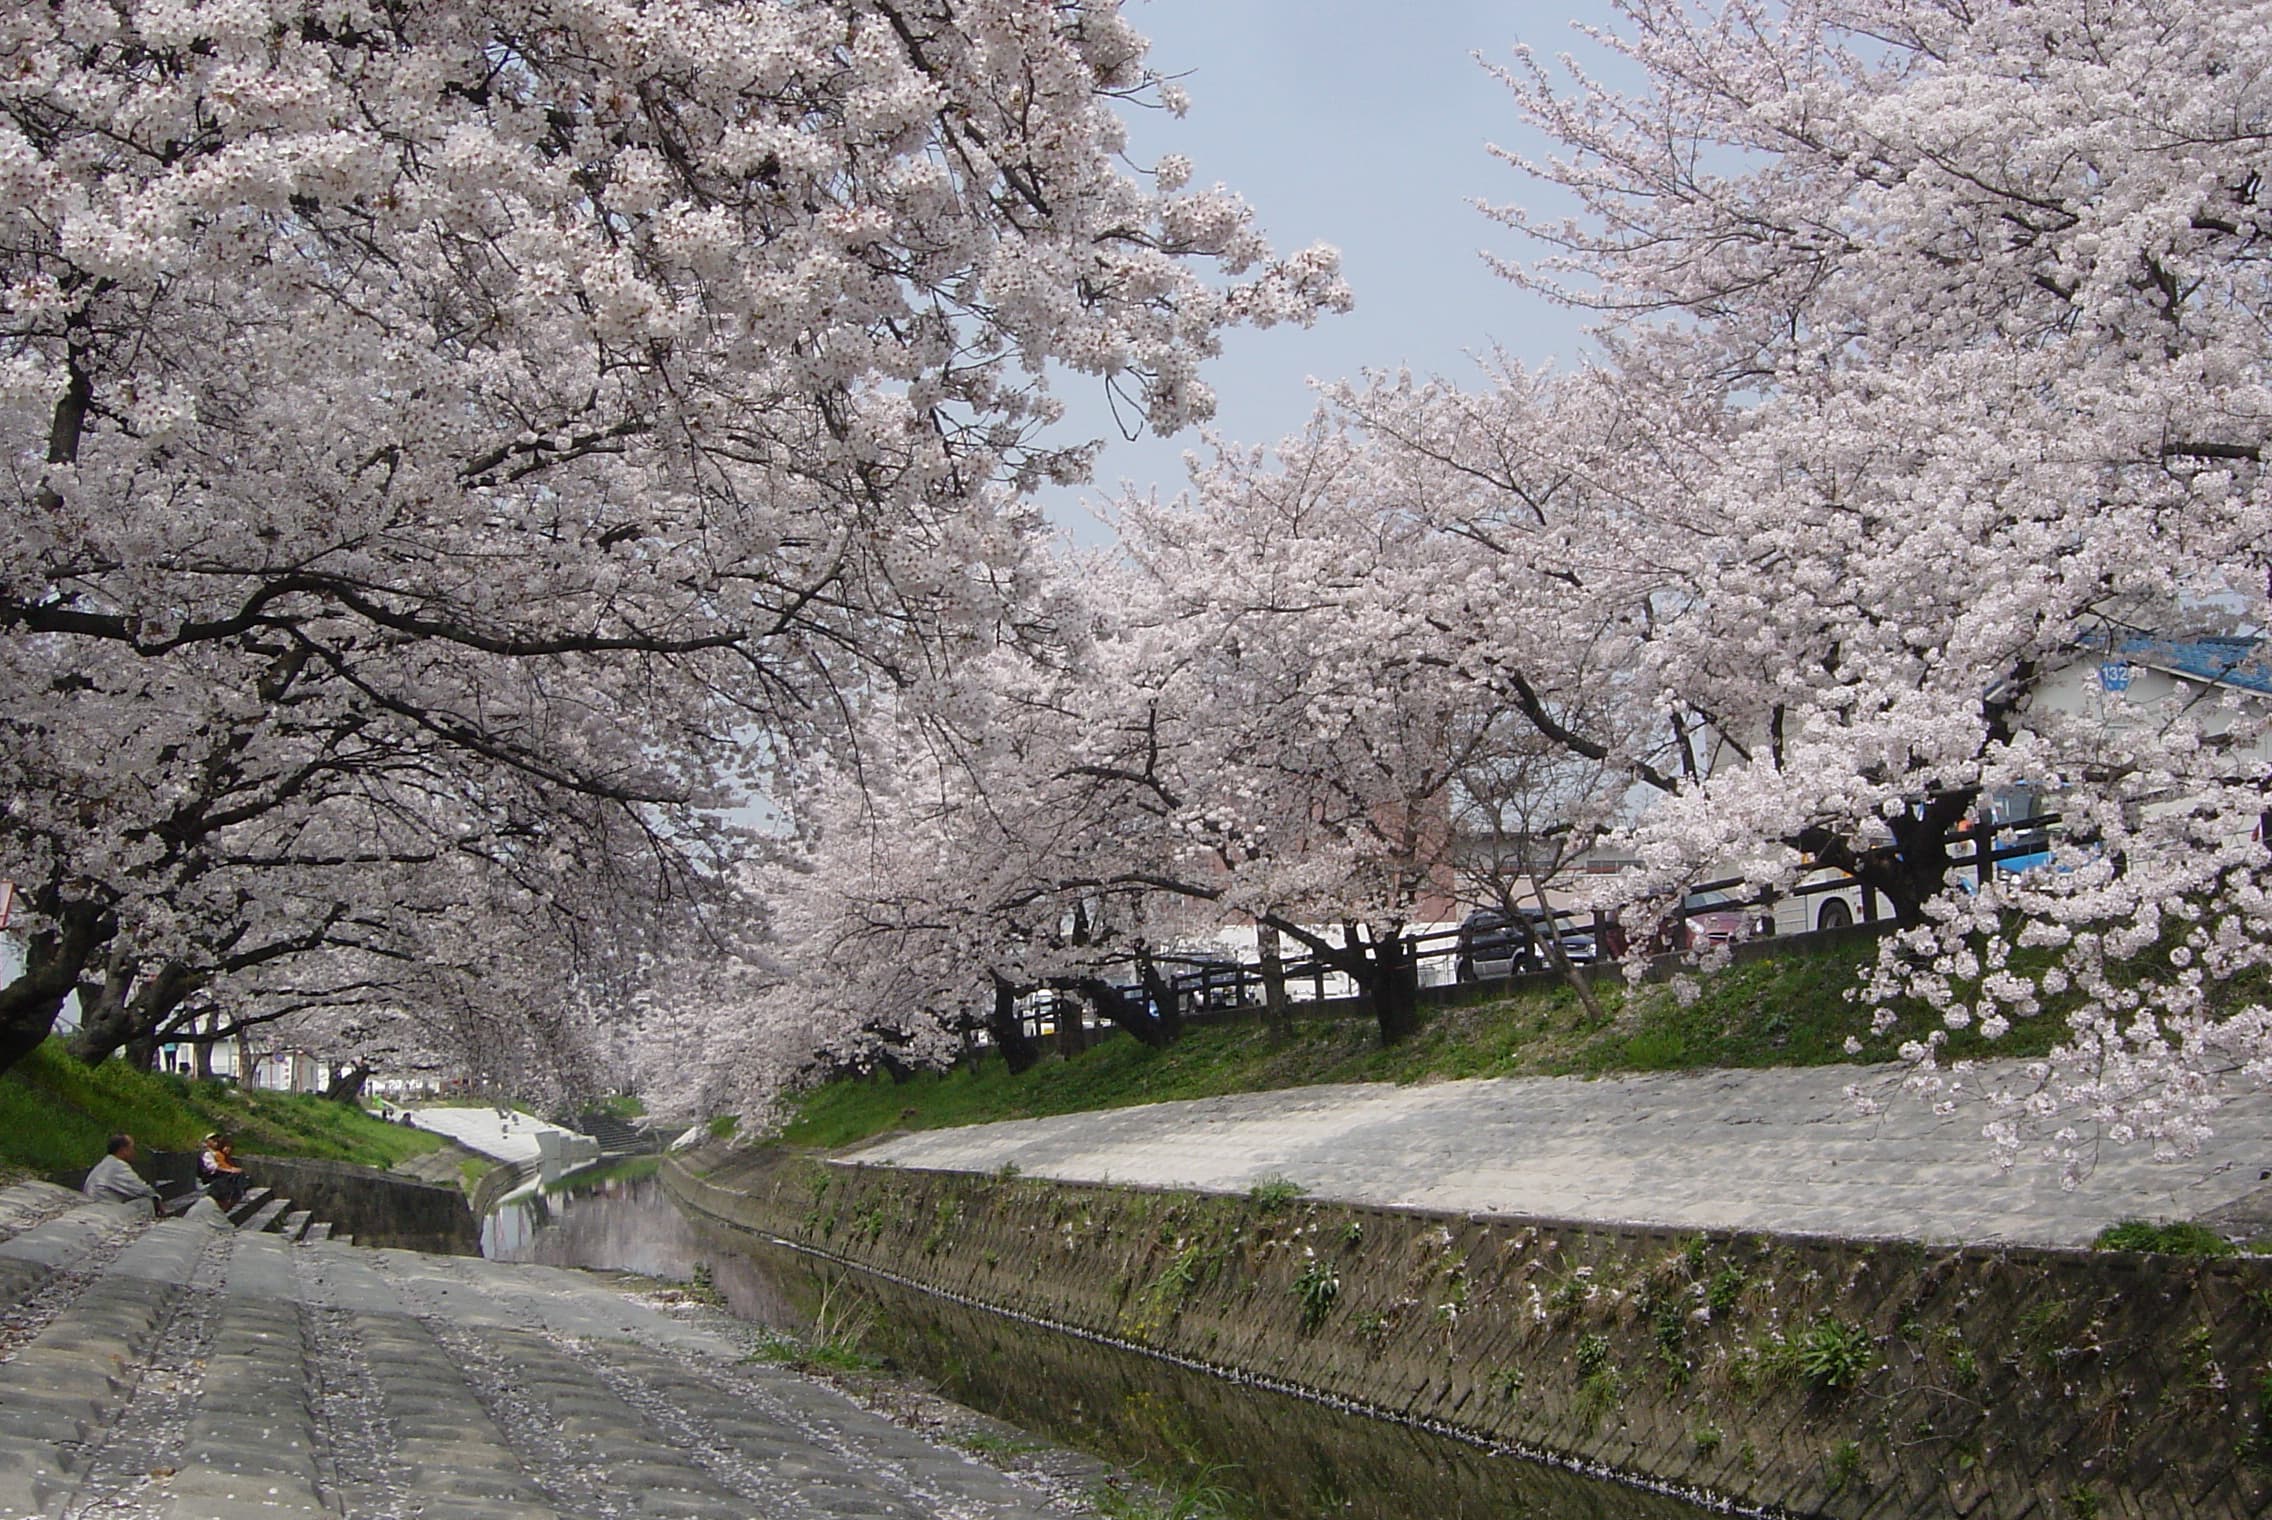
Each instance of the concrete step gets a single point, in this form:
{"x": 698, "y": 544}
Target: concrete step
{"x": 250, "y": 1204}
{"x": 90, "y": 1335}
{"x": 617, "y": 1137}
{"x": 68, "y": 1230}
{"x": 317, "y": 1230}
{"x": 295, "y": 1224}
{"x": 265, "y": 1217}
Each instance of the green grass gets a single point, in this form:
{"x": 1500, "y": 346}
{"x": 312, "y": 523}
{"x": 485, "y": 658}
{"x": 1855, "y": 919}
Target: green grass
{"x": 1782, "y": 1010}
{"x": 56, "y": 1115}
{"x": 2171, "y": 1239}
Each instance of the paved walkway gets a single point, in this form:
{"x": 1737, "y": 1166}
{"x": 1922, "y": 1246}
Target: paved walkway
{"x": 1778, "y": 1150}
{"x": 168, "y": 1372}
{"x": 501, "y": 1135}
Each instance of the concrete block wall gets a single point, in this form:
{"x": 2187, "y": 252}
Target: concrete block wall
{"x": 375, "y": 1207}
{"x": 1809, "y": 1375}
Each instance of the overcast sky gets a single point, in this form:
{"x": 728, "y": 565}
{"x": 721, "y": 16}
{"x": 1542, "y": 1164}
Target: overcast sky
{"x": 1360, "y": 123}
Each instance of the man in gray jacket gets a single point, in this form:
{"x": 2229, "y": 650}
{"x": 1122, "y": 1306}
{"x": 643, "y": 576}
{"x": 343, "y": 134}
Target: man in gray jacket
{"x": 114, "y": 1180}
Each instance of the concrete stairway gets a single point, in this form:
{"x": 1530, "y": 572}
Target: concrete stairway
{"x": 171, "y": 1371}
{"x": 617, "y": 1137}
{"x": 265, "y": 1211}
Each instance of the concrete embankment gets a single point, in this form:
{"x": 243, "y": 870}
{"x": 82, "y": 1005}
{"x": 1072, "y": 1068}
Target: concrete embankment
{"x": 169, "y": 1371}
{"x": 1805, "y": 1374}
{"x": 377, "y": 1208}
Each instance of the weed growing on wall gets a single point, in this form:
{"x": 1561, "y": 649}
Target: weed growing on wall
{"x": 1833, "y": 1354}
{"x": 2171, "y": 1239}
{"x": 1274, "y": 1195}
{"x": 1316, "y": 1289}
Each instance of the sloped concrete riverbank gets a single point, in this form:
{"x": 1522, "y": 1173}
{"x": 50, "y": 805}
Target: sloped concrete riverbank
{"x": 1774, "y": 1372}
{"x": 168, "y": 1371}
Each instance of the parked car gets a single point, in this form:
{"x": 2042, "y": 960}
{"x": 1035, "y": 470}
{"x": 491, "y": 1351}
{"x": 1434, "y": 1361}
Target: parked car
{"x": 1715, "y": 920}
{"x": 1493, "y": 944}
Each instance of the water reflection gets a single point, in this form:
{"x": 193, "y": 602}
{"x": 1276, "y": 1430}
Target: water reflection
{"x": 1281, "y": 1458}
{"x": 627, "y": 1224}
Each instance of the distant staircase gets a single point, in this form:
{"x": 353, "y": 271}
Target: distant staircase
{"x": 616, "y": 1137}
{"x": 264, "y": 1211}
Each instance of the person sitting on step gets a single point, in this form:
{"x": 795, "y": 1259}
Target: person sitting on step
{"x": 217, "y": 1168}
{"x": 114, "y": 1180}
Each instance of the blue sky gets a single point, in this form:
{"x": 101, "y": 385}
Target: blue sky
{"x": 1361, "y": 123}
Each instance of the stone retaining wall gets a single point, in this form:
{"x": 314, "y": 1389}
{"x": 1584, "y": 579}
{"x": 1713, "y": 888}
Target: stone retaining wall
{"x": 1814, "y": 1376}
{"x": 375, "y": 1207}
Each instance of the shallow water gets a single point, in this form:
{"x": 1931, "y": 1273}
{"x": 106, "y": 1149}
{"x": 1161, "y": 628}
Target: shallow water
{"x": 629, "y": 1225}
{"x": 1251, "y": 1451}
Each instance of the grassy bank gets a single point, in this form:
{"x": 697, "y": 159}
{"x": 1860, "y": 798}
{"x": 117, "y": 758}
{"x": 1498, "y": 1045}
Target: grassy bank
{"x": 56, "y": 1114}
{"x": 1785, "y": 1010}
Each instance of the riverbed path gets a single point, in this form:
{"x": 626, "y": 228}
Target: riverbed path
{"x": 167, "y": 1371}
{"x": 1785, "y": 1150}
{"x": 500, "y": 1134}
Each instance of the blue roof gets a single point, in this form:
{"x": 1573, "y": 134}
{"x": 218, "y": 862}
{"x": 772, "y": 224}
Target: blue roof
{"x": 2242, "y": 662}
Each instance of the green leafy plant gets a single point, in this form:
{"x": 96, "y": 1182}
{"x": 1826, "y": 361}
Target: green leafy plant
{"x": 1842, "y": 1466}
{"x": 1575, "y": 1288}
{"x": 1175, "y": 1279}
{"x": 1833, "y": 1354}
{"x": 1964, "y": 1366}
{"x": 1199, "y": 1497}
{"x": 949, "y": 1210}
{"x": 702, "y": 1287}
{"x": 1275, "y": 1194}
{"x": 1726, "y": 1287}
{"x": 1315, "y": 1290}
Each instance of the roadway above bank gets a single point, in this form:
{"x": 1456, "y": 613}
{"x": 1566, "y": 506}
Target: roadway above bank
{"x": 1783, "y": 1150}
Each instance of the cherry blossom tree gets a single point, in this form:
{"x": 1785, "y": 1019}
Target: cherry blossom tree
{"x": 609, "y": 397}
{"x": 1967, "y": 306}
{"x": 1290, "y": 713}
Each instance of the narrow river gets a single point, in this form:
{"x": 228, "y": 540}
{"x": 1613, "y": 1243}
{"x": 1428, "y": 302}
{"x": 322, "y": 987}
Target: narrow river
{"x": 1247, "y": 1452}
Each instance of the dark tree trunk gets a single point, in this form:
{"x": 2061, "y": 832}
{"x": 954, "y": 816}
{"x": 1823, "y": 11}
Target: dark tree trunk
{"x": 1114, "y": 1007}
{"x": 1072, "y": 1031}
{"x": 1918, "y": 868}
{"x": 106, "y": 1021}
{"x": 1277, "y": 1010}
{"x": 1390, "y": 984}
{"x": 131, "y": 1022}
{"x": 1914, "y": 869}
{"x": 1167, "y": 1007}
{"x": 346, "y": 1085}
{"x": 53, "y": 962}
{"x": 1019, "y": 1052}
